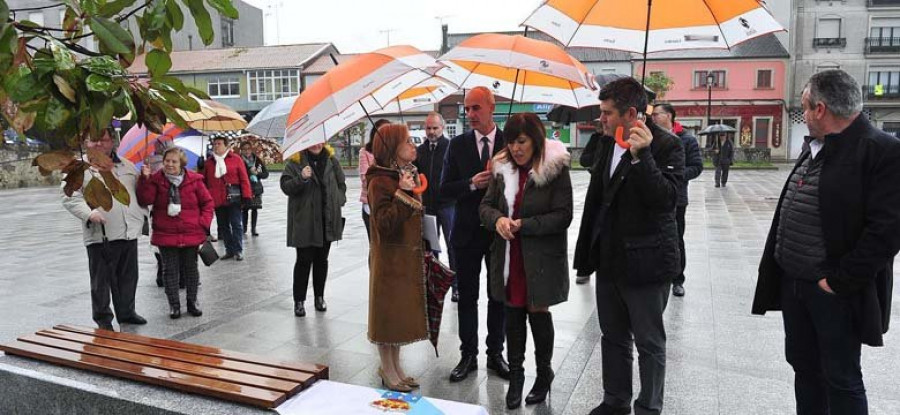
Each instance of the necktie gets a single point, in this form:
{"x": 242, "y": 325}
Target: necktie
{"x": 485, "y": 151}
{"x": 433, "y": 146}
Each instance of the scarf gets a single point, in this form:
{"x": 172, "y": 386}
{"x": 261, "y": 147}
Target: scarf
{"x": 174, "y": 195}
{"x": 317, "y": 162}
{"x": 220, "y": 164}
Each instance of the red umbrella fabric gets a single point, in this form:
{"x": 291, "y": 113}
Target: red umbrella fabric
{"x": 438, "y": 278}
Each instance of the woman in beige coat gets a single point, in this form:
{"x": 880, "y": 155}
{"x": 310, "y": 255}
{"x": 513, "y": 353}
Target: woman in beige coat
{"x": 397, "y": 306}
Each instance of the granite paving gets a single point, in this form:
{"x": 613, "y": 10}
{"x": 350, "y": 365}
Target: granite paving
{"x": 721, "y": 359}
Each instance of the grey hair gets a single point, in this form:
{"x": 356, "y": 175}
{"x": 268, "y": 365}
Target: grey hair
{"x": 836, "y": 89}
{"x": 436, "y": 114}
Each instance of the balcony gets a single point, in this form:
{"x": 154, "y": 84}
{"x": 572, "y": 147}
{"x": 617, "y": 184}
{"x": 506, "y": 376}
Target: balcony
{"x": 876, "y": 45}
{"x": 882, "y": 92}
{"x": 884, "y": 3}
{"x": 829, "y": 42}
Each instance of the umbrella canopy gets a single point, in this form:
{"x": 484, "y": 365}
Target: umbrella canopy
{"x": 667, "y": 24}
{"x": 138, "y": 143}
{"x": 519, "y": 68}
{"x": 347, "y": 92}
{"x": 717, "y": 128}
{"x": 591, "y": 111}
{"x": 428, "y": 92}
{"x": 265, "y": 148}
{"x": 438, "y": 279}
{"x": 213, "y": 116}
{"x": 270, "y": 122}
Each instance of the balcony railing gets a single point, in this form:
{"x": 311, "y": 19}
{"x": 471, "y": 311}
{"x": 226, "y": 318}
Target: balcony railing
{"x": 880, "y": 92}
{"x": 884, "y": 3}
{"x": 883, "y": 45}
{"x": 829, "y": 42}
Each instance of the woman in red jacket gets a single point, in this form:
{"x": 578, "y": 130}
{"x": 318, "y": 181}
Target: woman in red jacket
{"x": 182, "y": 215}
{"x": 229, "y": 185}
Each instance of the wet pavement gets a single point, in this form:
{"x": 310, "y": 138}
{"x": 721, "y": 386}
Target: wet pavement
{"x": 721, "y": 360}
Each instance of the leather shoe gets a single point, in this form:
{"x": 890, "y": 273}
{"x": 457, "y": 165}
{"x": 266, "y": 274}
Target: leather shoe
{"x": 175, "y": 312}
{"x": 498, "y": 364}
{"x": 605, "y": 409}
{"x": 134, "y": 319}
{"x": 319, "y": 303}
{"x": 299, "y": 310}
{"x": 468, "y": 363}
{"x": 193, "y": 308}
{"x": 106, "y": 326}
{"x": 678, "y": 290}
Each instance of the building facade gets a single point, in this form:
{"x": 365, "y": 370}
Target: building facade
{"x": 861, "y": 37}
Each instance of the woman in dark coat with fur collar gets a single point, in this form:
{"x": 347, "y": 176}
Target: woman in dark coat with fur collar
{"x": 529, "y": 204}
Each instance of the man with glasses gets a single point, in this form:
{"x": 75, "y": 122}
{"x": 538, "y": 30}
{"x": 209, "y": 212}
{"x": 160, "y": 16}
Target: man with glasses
{"x": 664, "y": 116}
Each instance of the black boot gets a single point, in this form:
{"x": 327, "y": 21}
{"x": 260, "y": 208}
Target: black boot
{"x": 542, "y": 333}
{"x": 193, "y": 308}
{"x": 175, "y": 311}
{"x": 299, "y": 310}
{"x": 516, "y": 335}
{"x": 159, "y": 280}
{"x": 320, "y": 305}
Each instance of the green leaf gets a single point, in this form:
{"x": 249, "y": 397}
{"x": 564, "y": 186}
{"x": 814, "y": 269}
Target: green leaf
{"x": 114, "y": 7}
{"x": 4, "y": 11}
{"x": 63, "y": 57}
{"x": 54, "y": 115}
{"x": 173, "y": 14}
{"x": 202, "y": 20}
{"x": 111, "y": 35}
{"x": 169, "y": 82}
{"x": 98, "y": 83}
{"x": 102, "y": 111}
{"x": 103, "y": 65}
{"x": 158, "y": 63}
{"x": 224, "y": 7}
{"x": 199, "y": 93}
{"x": 22, "y": 85}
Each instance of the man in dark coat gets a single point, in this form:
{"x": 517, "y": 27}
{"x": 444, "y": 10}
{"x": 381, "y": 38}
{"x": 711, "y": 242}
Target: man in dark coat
{"x": 629, "y": 236}
{"x": 723, "y": 158}
{"x": 829, "y": 256}
{"x": 430, "y": 162}
{"x": 465, "y": 179}
{"x": 587, "y": 161}
{"x": 664, "y": 116}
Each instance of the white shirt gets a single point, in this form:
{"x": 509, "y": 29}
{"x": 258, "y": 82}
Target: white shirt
{"x": 618, "y": 152}
{"x": 815, "y": 146}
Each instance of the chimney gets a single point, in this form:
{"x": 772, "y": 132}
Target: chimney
{"x": 444, "y": 39}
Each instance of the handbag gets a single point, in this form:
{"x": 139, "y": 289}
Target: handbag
{"x": 232, "y": 194}
{"x": 208, "y": 253}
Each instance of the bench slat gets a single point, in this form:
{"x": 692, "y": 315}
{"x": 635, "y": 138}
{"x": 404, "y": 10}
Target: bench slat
{"x": 166, "y": 364}
{"x": 320, "y": 371}
{"x": 303, "y": 378}
{"x": 160, "y": 377}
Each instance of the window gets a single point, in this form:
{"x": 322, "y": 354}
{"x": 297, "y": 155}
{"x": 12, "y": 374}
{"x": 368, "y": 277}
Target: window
{"x": 450, "y": 130}
{"x": 37, "y": 18}
{"x": 227, "y": 32}
{"x": 764, "y": 79}
{"x": 224, "y": 87}
{"x": 829, "y": 28}
{"x": 761, "y": 132}
{"x": 717, "y": 82}
{"x": 884, "y": 82}
{"x": 271, "y": 84}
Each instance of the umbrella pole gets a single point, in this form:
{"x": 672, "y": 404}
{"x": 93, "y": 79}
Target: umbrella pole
{"x": 512, "y": 97}
{"x": 399, "y": 110}
{"x": 646, "y": 42}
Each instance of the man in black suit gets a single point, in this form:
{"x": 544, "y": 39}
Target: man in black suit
{"x": 464, "y": 179}
{"x": 629, "y": 236}
{"x": 430, "y": 162}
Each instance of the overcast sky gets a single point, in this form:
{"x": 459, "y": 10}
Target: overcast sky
{"x": 363, "y": 25}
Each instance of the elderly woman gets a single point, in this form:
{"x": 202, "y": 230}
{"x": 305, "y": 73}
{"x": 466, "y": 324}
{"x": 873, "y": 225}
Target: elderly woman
{"x": 228, "y": 184}
{"x": 256, "y": 170}
{"x": 397, "y": 314}
{"x": 182, "y": 215}
{"x": 529, "y": 205}
{"x": 314, "y": 183}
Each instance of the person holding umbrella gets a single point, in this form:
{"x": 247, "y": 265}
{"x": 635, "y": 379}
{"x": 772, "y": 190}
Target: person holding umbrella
{"x": 182, "y": 215}
{"x": 528, "y": 204}
{"x": 723, "y": 158}
{"x": 257, "y": 171}
{"x": 111, "y": 240}
{"x": 229, "y": 185}
{"x": 314, "y": 183}
{"x": 397, "y": 307}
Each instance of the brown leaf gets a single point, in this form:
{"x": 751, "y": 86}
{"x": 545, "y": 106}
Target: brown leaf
{"x": 53, "y": 160}
{"x": 23, "y": 121}
{"x": 64, "y": 88}
{"x": 99, "y": 160}
{"x": 97, "y": 195}
{"x": 118, "y": 190}
{"x": 74, "y": 180}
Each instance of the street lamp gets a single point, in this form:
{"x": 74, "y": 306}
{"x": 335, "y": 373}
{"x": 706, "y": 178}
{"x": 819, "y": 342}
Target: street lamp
{"x": 709, "y": 81}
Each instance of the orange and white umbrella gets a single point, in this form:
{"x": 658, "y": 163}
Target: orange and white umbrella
{"x": 428, "y": 92}
{"x": 519, "y": 68}
{"x": 667, "y": 24}
{"x": 347, "y": 92}
{"x": 213, "y": 116}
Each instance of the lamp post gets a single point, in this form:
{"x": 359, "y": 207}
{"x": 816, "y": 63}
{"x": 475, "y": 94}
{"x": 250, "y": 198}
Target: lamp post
{"x": 709, "y": 81}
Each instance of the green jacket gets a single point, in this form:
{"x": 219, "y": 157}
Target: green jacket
{"x": 314, "y": 205}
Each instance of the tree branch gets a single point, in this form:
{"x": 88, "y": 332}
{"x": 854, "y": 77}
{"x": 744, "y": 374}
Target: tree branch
{"x": 26, "y": 9}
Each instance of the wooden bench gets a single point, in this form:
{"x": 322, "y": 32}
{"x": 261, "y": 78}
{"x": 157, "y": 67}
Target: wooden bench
{"x": 204, "y": 370}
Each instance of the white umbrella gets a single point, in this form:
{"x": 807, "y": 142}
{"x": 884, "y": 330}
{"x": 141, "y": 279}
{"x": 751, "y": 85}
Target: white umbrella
{"x": 271, "y": 121}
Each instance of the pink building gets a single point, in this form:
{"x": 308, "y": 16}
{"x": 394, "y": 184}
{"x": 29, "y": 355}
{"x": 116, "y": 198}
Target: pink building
{"x": 747, "y": 90}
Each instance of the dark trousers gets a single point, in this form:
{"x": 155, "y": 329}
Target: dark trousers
{"x": 722, "y": 174}
{"x": 468, "y": 279}
{"x": 445, "y": 219}
{"x": 183, "y": 262}
{"x": 114, "y": 270}
{"x": 253, "y": 214}
{"x": 365, "y": 217}
{"x": 632, "y": 315}
{"x": 679, "y": 217}
{"x": 823, "y": 348}
{"x": 315, "y": 258}
{"x": 228, "y": 219}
